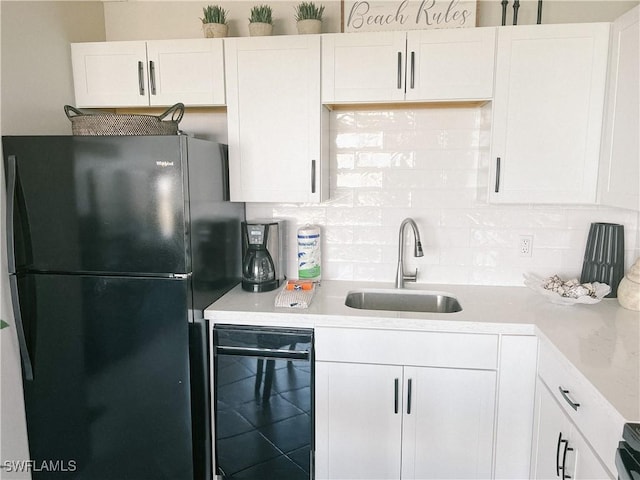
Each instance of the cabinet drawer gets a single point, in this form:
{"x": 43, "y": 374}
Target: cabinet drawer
{"x": 393, "y": 347}
{"x": 596, "y": 419}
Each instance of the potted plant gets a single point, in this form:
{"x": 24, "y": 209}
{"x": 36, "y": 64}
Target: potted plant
{"x": 309, "y": 17}
{"x": 214, "y": 22}
{"x": 260, "y": 21}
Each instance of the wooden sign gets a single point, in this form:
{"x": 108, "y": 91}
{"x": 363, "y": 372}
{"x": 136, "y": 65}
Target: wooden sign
{"x": 379, "y": 15}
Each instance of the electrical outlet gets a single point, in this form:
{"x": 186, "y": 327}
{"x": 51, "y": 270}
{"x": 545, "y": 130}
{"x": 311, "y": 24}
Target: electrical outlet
{"x": 525, "y": 246}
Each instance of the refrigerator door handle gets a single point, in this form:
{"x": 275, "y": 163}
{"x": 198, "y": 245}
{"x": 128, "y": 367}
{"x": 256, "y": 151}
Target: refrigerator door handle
{"x": 12, "y": 179}
{"x": 22, "y": 341}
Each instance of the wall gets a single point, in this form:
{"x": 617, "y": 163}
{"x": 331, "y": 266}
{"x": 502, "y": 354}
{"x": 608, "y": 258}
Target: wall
{"x": 423, "y": 163}
{"x": 130, "y": 20}
{"x": 36, "y": 66}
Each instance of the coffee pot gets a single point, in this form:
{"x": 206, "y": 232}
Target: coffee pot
{"x": 262, "y": 258}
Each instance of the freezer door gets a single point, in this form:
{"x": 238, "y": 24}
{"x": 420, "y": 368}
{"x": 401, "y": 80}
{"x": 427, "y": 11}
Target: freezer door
{"x": 110, "y": 393}
{"x": 98, "y": 204}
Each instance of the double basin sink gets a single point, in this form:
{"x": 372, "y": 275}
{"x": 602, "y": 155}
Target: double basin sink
{"x": 403, "y": 301}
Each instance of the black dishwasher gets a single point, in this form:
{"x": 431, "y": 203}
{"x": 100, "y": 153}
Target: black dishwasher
{"x": 263, "y": 395}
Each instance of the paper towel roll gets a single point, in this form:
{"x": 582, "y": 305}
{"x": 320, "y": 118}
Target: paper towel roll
{"x": 309, "y": 253}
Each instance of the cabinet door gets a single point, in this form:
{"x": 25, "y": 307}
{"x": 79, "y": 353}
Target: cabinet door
{"x": 275, "y": 119}
{"x": 358, "y": 421}
{"x": 620, "y": 169}
{"x": 455, "y": 64}
{"x": 363, "y": 67}
{"x": 547, "y": 113}
{"x": 551, "y": 427}
{"x": 587, "y": 463}
{"x": 559, "y": 447}
{"x": 187, "y": 71}
{"x": 110, "y": 74}
{"x": 448, "y": 423}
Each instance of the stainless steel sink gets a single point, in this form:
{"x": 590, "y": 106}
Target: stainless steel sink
{"x": 403, "y": 301}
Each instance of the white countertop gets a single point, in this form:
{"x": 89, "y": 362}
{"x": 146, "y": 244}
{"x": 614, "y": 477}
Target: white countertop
{"x": 602, "y": 341}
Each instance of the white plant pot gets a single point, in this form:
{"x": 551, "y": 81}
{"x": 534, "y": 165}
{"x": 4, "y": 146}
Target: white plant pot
{"x": 215, "y": 30}
{"x": 257, "y": 29}
{"x": 309, "y": 26}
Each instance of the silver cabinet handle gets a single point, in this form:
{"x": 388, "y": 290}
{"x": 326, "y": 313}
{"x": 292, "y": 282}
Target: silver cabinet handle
{"x": 313, "y": 176}
{"x": 141, "y": 78}
{"x": 413, "y": 69}
{"x": 409, "y": 397}
{"x": 152, "y": 76}
{"x": 399, "y": 70}
{"x": 497, "y": 189}
{"x": 565, "y": 395}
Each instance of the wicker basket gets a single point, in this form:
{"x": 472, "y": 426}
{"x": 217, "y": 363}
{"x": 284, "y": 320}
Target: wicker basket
{"x": 107, "y": 123}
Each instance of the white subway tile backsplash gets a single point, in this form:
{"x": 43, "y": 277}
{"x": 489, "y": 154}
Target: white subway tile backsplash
{"x": 359, "y": 140}
{"x": 359, "y": 179}
{"x": 430, "y": 164}
{"x": 383, "y": 198}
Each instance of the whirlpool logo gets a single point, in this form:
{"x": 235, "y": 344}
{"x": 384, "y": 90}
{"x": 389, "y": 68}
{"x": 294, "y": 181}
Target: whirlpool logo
{"x": 164, "y": 164}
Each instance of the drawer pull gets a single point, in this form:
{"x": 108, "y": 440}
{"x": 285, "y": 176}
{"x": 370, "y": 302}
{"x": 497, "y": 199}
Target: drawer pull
{"x": 565, "y": 395}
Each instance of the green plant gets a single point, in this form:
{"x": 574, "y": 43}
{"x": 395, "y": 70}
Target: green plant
{"x": 214, "y": 14}
{"x": 261, "y": 14}
{"x": 309, "y": 11}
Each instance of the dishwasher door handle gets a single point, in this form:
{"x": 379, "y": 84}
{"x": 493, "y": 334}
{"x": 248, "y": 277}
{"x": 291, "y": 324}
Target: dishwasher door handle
{"x": 263, "y": 352}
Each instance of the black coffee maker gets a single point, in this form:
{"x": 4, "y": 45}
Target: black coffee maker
{"x": 262, "y": 258}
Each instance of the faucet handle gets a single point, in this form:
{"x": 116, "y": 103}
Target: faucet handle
{"x": 411, "y": 277}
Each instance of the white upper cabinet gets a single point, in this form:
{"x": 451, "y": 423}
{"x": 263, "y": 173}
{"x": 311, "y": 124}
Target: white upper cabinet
{"x": 450, "y": 64}
{"x": 153, "y": 73}
{"x": 189, "y": 71}
{"x": 547, "y": 113}
{"x": 619, "y": 181}
{"x": 420, "y": 65}
{"x": 276, "y": 124}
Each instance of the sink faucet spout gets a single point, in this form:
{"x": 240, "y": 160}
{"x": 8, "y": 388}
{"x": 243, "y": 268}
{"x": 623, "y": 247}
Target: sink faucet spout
{"x": 401, "y": 277}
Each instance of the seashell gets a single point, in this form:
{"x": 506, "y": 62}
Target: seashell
{"x": 570, "y": 289}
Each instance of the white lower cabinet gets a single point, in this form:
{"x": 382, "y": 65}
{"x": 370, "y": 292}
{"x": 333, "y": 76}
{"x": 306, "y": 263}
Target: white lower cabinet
{"x": 394, "y": 404}
{"x": 560, "y": 450}
{"x": 387, "y": 421}
{"x": 358, "y": 433}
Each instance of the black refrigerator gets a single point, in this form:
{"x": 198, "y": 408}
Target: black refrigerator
{"x": 115, "y": 247}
